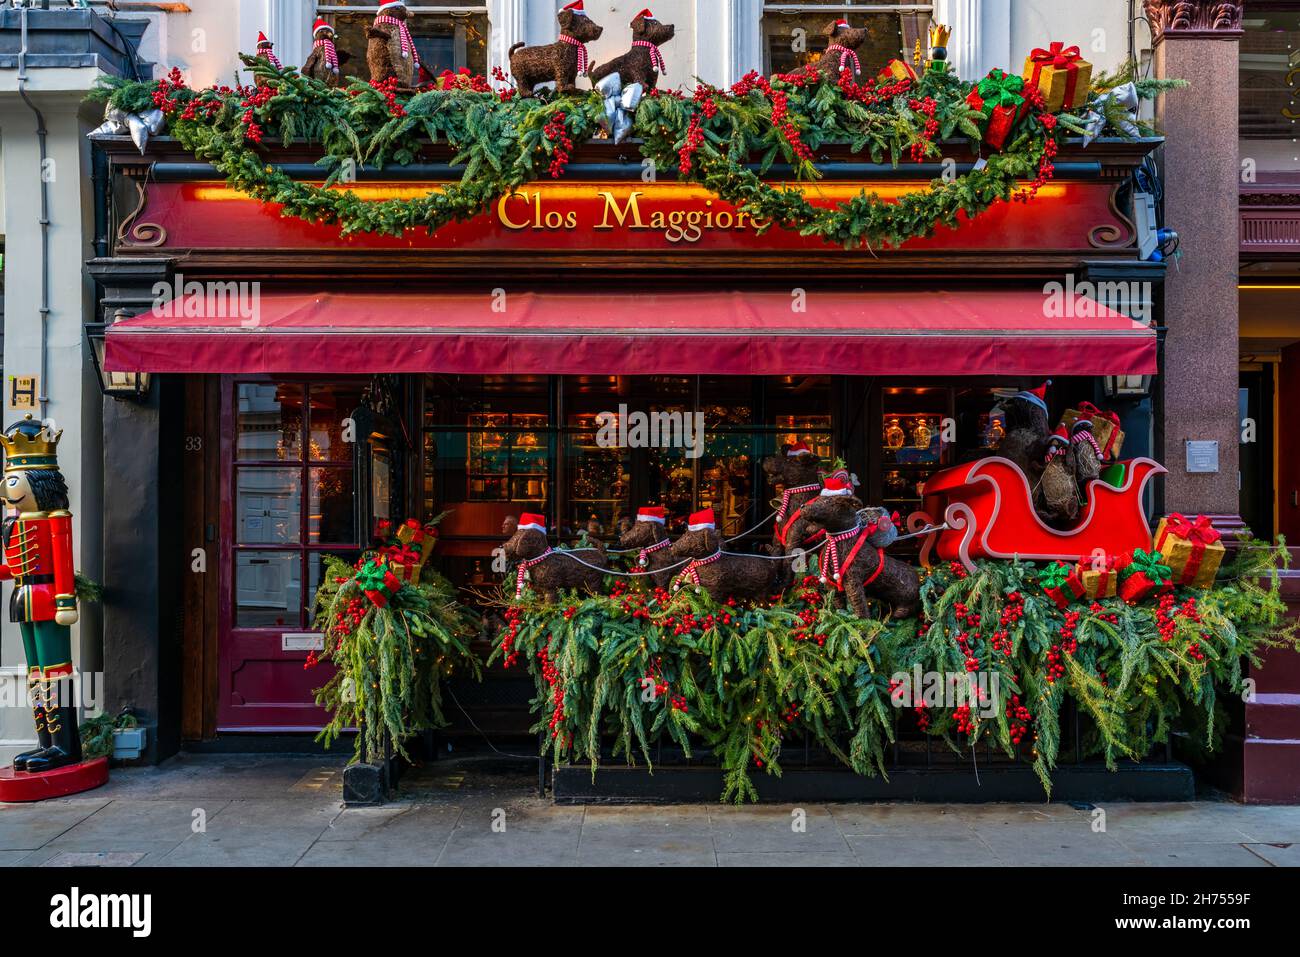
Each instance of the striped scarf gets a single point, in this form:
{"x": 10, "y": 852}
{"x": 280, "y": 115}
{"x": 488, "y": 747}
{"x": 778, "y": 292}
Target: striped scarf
{"x": 845, "y": 56}
{"x": 404, "y": 32}
{"x": 656, "y": 55}
{"x": 584, "y": 59}
{"x": 272, "y": 58}
{"x": 331, "y": 54}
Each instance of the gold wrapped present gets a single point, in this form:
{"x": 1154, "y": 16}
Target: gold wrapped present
{"x": 1193, "y": 549}
{"x": 1061, "y": 74}
{"x": 1099, "y": 583}
{"x": 1105, "y": 428}
{"x": 896, "y": 70}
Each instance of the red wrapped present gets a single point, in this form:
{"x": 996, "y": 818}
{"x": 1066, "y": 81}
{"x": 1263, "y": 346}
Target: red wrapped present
{"x": 1105, "y": 428}
{"x": 1193, "y": 550}
{"x": 1000, "y": 96}
{"x": 1062, "y": 583}
{"x": 1142, "y": 576}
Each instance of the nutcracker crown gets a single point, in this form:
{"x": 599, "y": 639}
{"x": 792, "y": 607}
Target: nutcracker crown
{"x": 29, "y": 445}
{"x": 940, "y": 35}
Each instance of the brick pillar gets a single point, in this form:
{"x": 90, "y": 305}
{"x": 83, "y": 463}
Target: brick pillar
{"x": 1198, "y": 42}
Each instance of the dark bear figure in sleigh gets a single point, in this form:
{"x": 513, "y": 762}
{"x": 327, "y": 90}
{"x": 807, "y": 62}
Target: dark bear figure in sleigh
{"x": 854, "y": 562}
{"x": 552, "y": 572}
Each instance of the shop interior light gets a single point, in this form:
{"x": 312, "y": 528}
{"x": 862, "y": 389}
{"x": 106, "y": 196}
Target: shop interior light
{"x": 118, "y": 385}
{"x": 1127, "y": 386}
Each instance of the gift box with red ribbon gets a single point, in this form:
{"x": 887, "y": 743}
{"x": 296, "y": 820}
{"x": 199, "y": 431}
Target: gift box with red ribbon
{"x": 1061, "y": 74}
{"x": 1062, "y": 584}
{"x": 1142, "y": 576}
{"x": 999, "y": 96}
{"x": 1100, "y": 577}
{"x": 897, "y": 70}
{"x": 1105, "y": 428}
{"x": 1193, "y": 550}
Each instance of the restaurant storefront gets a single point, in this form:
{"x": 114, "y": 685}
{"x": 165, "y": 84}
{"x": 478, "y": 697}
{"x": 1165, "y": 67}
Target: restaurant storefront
{"x": 470, "y": 373}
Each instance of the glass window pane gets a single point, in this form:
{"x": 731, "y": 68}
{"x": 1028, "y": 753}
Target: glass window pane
{"x": 268, "y": 506}
{"x": 331, "y": 405}
{"x": 269, "y": 422}
{"x": 332, "y": 517}
{"x": 1270, "y": 85}
{"x": 599, "y": 479}
{"x": 268, "y": 589}
{"x": 315, "y": 569}
{"x": 889, "y": 35}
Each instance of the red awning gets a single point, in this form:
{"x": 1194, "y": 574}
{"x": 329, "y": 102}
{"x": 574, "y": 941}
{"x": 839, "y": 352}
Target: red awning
{"x": 839, "y": 332}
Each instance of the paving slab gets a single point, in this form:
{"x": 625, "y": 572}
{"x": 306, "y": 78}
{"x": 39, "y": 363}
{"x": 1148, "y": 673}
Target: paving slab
{"x": 393, "y": 826}
{"x": 1203, "y": 823}
{"x": 764, "y": 828}
{"x": 123, "y": 825}
{"x": 778, "y": 859}
{"x": 1279, "y": 855}
{"x": 25, "y": 827}
{"x": 1054, "y": 845}
{"x": 913, "y": 850}
{"x": 859, "y": 820}
{"x": 1199, "y": 854}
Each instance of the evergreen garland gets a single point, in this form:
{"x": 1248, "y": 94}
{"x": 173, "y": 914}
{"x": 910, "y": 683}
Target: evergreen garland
{"x": 502, "y": 142}
{"x": 639, "y": 668}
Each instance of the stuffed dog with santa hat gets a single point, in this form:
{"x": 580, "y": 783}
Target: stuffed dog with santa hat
{"x": 391, "y": 51}
{"x": 842, "y": 50}
{"x": 561, "y": 62}
{"x": 645, "y": 61}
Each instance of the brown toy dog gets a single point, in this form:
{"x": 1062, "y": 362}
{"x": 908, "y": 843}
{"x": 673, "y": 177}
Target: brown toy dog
{"x": 870, "y": 573}
{"x": 325, "y": 61}
{"x": 796, "y": 477}
{"x": 552, "y": 572}
{"x": 722, "y": 576}
{"x": 390, "y": 51}
{"x": 562, "y": 61}
{"x": 645, "y": 61}
{"x": 842, "y": 52}
{"x": 650, "y": 535}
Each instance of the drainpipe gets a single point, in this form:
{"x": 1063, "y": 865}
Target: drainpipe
{"x": 41, "y": 139}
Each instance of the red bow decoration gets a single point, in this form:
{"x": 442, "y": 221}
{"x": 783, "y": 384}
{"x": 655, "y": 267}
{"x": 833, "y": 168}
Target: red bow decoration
{"x": 1058, "y": 55}
{"x": 1199, "y": 531}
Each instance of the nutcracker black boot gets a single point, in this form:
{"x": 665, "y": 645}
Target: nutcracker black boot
{"x": 42, "y": 733}
{"x": 61, "y": 723}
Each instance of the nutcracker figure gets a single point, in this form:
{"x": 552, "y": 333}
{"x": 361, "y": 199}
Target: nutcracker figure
{"x": 36, "y": 548}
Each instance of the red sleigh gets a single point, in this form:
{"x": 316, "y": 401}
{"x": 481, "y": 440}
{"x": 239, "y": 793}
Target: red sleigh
{"x": 989, "y": 512}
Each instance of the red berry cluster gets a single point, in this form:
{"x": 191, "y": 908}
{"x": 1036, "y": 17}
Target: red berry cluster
{"x": 388, "y": 90}
{"x": 1047, "y": 164}
{"x": 162, "y": 95}
{"x": 1068, "y": 645}
{"x": 512, "y": 633}
{"x": 922, "y": 717}
{"x": 558, "y": 133}
{"x": 781, "y": 119}
{"x": 965, "y": 720}
{"x": 1098, "y": 611}
{"x": 350, "y": 616}
{"x": 971, "y": 621}
{"x": 1020, "y": 718}
{"x": 552, "y": 676}
{"x": 694, "y": 140}
{"x": 706, "y": 98}
{"x": 1012, "y": 612}
{"x": 927, "y": 107}
{"x": 958, "y": 569}
{"x": 1166, "y": 621}
{"x": 251, "y": 101}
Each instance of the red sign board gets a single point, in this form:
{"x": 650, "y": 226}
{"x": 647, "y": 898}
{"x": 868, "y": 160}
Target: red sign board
{"x": 610, "y": 217}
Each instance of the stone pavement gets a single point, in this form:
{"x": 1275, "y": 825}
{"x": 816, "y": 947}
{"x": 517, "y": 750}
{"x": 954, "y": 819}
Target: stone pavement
{"x": 247, "y": 810}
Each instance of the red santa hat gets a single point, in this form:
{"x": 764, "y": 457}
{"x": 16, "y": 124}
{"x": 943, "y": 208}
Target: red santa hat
{"x": 576, "y": 7}
{"x": 657, "y": 515}
{"x": 320, "y": 25}
{"x": 646, "y": 14}
{"x": 1037, "y": 396}
{"x": 262, "y": 41}
{"x": 841, "y": 23}
{"x": 533, "y": 523}
{"x": 703, "y": 521}
{"x": 837, "y": 486}
{"x": 798, "y": 449}
{"x": 389, "y": 4}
